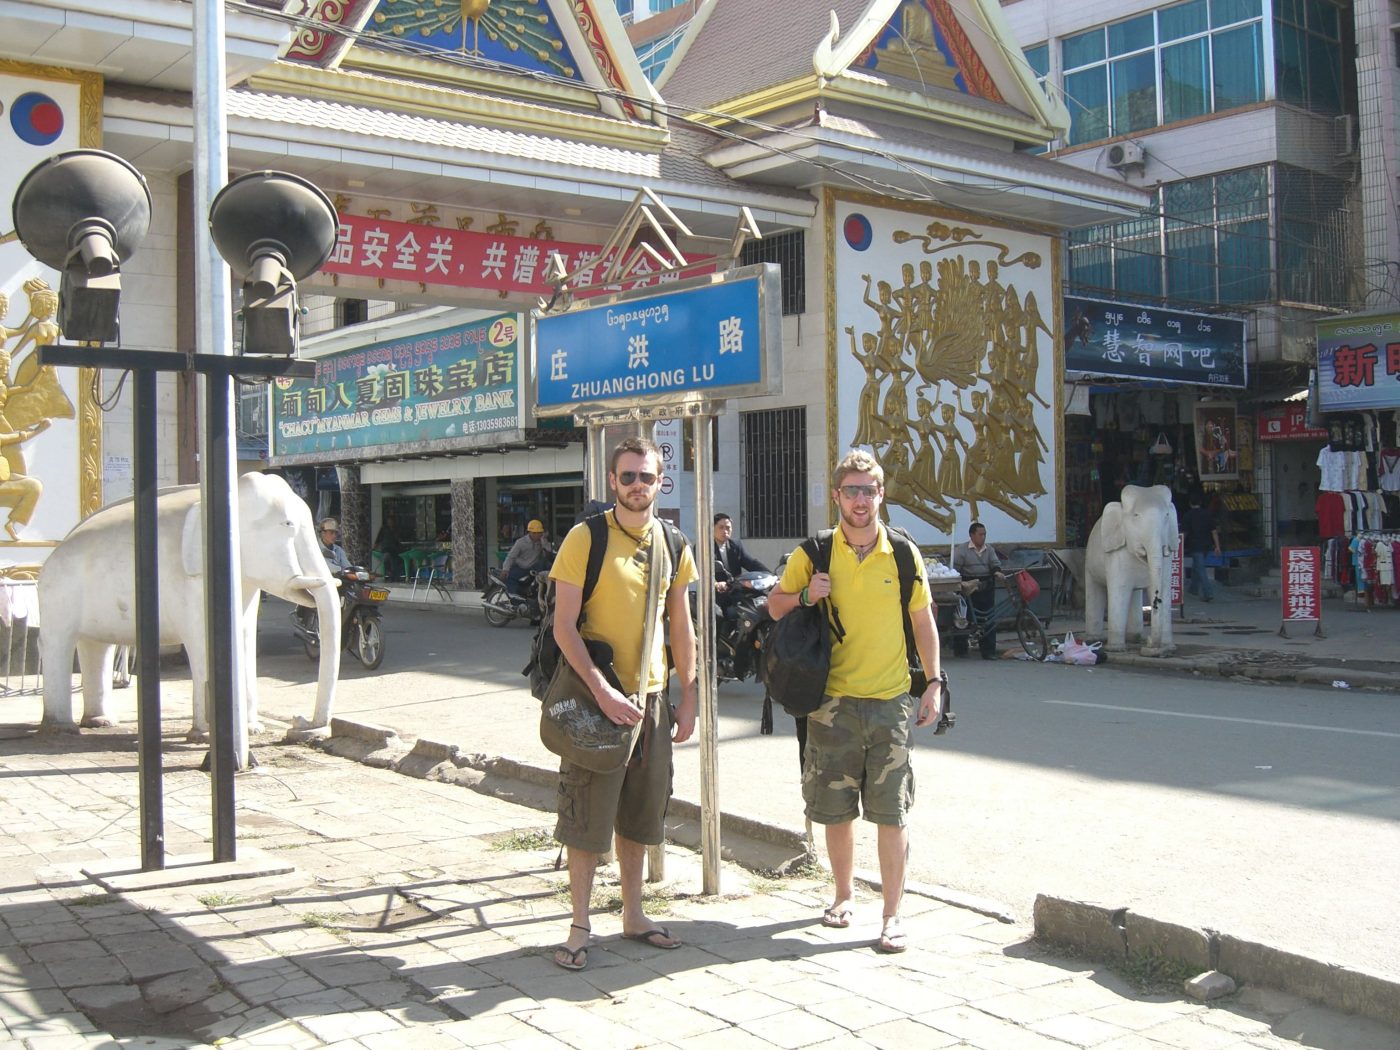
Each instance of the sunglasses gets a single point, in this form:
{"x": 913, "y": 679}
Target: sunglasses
{"x": 631, "y": 477}
{"x": 852, "y": 491}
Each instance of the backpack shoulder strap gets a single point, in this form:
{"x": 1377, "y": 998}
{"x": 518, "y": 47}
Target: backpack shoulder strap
{"x": 676, "y": 543}
{"x": 818, "y": 550}
{"x": 597, "y": 551}
{"x": 906, "y": 555}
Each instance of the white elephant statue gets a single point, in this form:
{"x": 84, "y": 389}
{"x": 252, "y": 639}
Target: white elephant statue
{"x": 1129, "y": 559}
{"x": 87, "y": 596}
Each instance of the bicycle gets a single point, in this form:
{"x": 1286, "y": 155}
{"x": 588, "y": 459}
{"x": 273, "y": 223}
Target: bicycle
{"x": 1013, "y": 609}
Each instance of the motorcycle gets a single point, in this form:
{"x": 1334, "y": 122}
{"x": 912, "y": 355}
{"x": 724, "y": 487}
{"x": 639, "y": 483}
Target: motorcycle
{"x": 501, "y": 605}
{"x": 739, "y": 638}
{"x": 361, "y": 619}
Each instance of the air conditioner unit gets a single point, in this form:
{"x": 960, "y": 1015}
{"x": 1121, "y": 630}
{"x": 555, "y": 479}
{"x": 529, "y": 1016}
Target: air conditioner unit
{"x": 1125, "y": 155}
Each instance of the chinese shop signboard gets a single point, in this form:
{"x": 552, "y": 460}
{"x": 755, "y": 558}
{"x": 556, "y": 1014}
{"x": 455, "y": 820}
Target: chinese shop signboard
{"x": 1358, "y": 362}
{"x": 1288, "y": 422}
{"x": 1170, "y": 346}
{"x": 455, "y": 387}
{"x": 1177, "y": 598}
{"x": 1301, "y": 569}
{"x": 405, "y": 251}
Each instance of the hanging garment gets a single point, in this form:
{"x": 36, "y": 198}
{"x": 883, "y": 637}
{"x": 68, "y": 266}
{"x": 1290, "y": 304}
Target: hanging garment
{"x": 1333, "y": 467}
{"x": 1330, "y": 514}
{"x": 1388, "y": 469}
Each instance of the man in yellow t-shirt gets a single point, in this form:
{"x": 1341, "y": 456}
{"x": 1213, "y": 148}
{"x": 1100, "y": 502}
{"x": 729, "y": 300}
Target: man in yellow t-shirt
{"x": 632, "y": 801}
{"x": 858, "y": 741}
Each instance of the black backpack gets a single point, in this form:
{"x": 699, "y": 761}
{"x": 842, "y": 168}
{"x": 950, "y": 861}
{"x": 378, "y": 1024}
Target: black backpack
{"x": 797, "y": 658}
{"x": 544, "y": 650}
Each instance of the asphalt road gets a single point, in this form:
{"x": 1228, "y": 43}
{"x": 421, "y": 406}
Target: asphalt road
{"x": 1270, "y": 812}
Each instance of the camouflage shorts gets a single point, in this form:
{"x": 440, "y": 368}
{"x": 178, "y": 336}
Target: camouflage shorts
{"x": 858, "y": 752}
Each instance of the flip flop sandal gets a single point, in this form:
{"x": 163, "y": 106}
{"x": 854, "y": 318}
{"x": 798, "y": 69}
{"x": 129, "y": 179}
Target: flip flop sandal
{"x": 893, "y": 939}
{"x": 836, "y": 918}
{"x": 654, "y": 938}
{"x": 567, "y": 958}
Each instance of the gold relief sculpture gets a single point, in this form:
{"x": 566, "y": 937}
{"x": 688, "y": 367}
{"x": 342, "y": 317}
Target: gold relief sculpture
{"x": 424, "y": 214}
{"x": 30, "y": 400}
{"x": 543, "y": 231}
{"x": 464, "y": 222}
{"x": 969, "y": 332}
{"x": 379, "y": 213}
{"x": 341, "y": 202}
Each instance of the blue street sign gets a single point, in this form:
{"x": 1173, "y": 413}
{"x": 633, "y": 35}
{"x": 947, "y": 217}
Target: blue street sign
{"x": 706, "y": 339}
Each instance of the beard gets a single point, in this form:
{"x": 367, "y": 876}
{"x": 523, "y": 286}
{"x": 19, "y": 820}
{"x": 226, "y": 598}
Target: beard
{"x": 859, "y": 517}
{"x": 638, "y": 497}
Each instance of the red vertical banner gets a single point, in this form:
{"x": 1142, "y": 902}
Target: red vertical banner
{"x": 1177, "y": 596}
{"x": 1301, "y": 569}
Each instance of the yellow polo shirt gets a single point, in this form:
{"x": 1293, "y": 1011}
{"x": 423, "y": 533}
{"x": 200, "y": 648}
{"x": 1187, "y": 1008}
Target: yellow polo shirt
{"x": 615, "y": 613}
{"x": 871, "y": 660}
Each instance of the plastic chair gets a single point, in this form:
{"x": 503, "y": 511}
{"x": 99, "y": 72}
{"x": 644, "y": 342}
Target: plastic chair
{"x": 434, "y": 574}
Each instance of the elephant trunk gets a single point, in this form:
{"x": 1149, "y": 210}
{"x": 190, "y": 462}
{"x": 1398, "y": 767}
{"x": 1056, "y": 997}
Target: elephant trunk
{"x": 328, "y": 614}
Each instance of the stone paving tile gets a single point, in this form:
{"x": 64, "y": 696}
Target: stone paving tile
{"x": 1077, "y": 1031}
{"x": 906, "y": 1034}
{"x": 794, "y": 1028}
{"x": 982, "y": 1030}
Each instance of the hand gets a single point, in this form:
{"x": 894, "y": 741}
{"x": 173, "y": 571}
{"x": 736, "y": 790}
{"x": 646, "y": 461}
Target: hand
{"x": 617, "y": 708}
{"x": 930, "y": 704}
{"x": 721, "y": 586}
{"x": 685, "y": 718}
{"x": 818, "y": 587}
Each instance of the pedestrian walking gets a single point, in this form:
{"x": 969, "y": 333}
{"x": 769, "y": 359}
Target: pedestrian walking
{"x": 631, "y": 802}
{"x": 858, "y": 741}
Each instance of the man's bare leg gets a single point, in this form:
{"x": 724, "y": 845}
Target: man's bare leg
{"x": 841, "y": 853}
{"x": 893, "y": 846}
{"x": 582, "y": 865}
{"x": 635, "y": 924}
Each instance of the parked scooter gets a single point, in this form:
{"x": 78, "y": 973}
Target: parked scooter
{"x": 361, "y": 619}
{"x": 502, "y": 605}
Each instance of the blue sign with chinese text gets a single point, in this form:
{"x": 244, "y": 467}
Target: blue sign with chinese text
{"x": 1358, "y": 362}
{"x": 1142, "y": 342}
{"x": 450, "y": 386}
{"x": 710, "y": 339}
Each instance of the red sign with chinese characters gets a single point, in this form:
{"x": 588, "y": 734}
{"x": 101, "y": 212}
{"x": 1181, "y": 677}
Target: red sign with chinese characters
{"x": 1177, "y": 572}
{"x": 1301, "y": 568}
{"x": 1288, "y": 422}
{"x": 498, "y": 262}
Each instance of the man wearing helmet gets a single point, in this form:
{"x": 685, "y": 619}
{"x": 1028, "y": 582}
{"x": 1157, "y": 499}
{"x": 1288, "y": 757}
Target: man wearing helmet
{"x": 528, "y": 553}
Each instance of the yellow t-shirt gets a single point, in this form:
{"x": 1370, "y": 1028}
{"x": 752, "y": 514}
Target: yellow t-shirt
{"x": 870, "y": 661}
{"x": 614, "y": 613}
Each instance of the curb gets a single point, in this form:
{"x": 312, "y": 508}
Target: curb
{"x": 1118, "y": 935}
{"x": 1381, "y": 681}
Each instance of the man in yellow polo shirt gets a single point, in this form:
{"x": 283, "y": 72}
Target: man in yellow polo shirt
{"x": 858, "y": 746}
{"x": 632, "y": 801}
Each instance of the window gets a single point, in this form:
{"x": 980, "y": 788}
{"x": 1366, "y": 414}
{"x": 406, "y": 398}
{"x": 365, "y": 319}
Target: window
{"x": 351, "y": 311}
{"x": 773, "y": 448}
{"x": 1192, "y": 58}
{"x": 789, "y": 251}
{"x": 1038, "y": 58}
{"x": 1308, "y": 54}
{"x": 1215, "y": 239}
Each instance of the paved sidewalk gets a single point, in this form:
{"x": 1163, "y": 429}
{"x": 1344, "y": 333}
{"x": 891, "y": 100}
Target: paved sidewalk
{"x": 420, "y": 914}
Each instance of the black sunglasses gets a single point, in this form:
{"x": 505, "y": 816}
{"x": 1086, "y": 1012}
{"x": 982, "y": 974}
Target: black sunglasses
{"x": 631, "y": 477}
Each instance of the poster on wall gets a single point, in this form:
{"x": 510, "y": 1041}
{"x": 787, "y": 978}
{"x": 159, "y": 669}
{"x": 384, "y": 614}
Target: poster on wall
{"x": 945, "y": 367}
{"x": 51, "y": 464}
{"x": 1217, "y": 444}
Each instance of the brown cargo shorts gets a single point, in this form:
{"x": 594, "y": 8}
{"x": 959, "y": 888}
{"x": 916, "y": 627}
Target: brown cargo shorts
{"x": 858, "y": 761}
{"x": 632, "y": 801}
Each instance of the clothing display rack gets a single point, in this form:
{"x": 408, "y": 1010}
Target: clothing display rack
{"x": 1374, "y": 555}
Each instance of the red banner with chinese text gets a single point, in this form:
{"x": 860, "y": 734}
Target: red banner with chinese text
{"x": 1301, "y": 569}
{"x": 1177, "y": 572}
{"x": 496, "y": 262}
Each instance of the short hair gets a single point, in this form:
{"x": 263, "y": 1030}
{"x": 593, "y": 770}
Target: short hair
{"x": 641, "y": 446}
{"x": 975, "y": 526}
{"x": 858, "y": 461}
{"x": 721, "y": 516}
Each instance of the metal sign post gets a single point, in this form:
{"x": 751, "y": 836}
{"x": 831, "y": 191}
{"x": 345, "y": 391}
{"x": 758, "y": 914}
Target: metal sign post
{"x": 707, "y": 717}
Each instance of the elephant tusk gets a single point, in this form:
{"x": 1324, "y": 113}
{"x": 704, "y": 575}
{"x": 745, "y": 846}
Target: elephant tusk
{"x": 310, "y": 583}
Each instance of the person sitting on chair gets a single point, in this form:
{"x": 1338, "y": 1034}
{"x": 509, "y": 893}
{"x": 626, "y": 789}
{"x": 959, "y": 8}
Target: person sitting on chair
{"x": 387, "y": 543}
{"x": 526, "y": 555}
